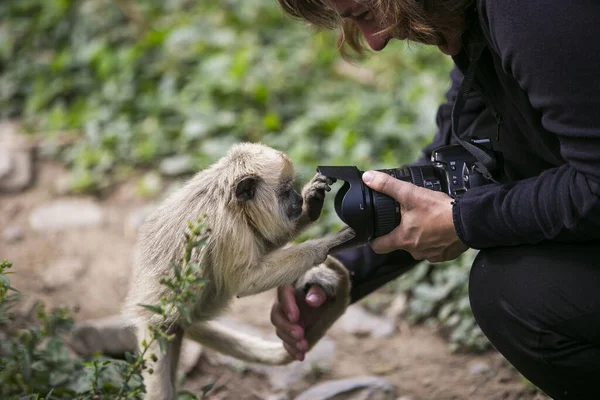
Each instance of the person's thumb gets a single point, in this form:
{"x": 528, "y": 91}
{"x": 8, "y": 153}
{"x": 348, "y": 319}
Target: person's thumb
{"x": 316, "y": 296}
{"x": 387, "y": 184}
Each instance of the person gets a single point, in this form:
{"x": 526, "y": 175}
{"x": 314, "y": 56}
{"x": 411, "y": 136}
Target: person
{"x": 534, "y": 286}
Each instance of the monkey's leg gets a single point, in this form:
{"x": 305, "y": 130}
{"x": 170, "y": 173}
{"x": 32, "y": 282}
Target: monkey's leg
{"x": 238, "y": 344}
{"x": 287, "y": 265}
{"x": 160, "y": 385}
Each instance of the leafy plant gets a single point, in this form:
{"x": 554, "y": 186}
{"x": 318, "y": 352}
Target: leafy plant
{"x": 35, "y": 362}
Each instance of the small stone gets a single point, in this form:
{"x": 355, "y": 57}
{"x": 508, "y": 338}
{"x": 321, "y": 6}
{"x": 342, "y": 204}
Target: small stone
{"x": 176, "y": 165}
{"x": 62, "y": 272}
{"x": 404, "y": 398}
{"x": 112, "y": 335}
{"x": 66, "y": 214}
{"x": 363, "y": 388}
{"x": 191, "y": 352}
{"x": 16, "y": 167}
{"x": 135, "y": 219}
{"x": 479, "y": 368}
{"x": 12, "y": 234}
{"x": 359, "y": 322}
{"x": 6, "y": 164}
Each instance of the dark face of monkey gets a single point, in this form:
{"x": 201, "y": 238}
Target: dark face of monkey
{"x": 291, "y": 202}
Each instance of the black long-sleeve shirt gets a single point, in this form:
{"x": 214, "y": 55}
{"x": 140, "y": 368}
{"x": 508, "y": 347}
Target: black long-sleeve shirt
{"x": 538, "y": 100}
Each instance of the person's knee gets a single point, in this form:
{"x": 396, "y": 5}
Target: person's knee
{"x": 483, "y": 294}
{"x": 499, "y": 294}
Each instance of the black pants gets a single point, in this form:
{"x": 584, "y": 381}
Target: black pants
{"x": 540, "y": 307}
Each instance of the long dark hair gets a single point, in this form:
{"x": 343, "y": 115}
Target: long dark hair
{"x": 422, "y": 20}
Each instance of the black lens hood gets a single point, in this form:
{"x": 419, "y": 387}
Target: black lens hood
{"x": 353, "y": 204}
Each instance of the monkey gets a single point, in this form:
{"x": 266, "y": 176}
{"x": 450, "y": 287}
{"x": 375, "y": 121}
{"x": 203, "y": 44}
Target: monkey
{"x": 253, "y": 213}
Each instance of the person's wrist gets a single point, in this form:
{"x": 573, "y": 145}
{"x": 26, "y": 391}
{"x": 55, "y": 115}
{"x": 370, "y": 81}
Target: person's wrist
{"x": 457, "y": 222}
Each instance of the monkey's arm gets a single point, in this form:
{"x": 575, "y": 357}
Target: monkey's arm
{"x": 287, "y": 265}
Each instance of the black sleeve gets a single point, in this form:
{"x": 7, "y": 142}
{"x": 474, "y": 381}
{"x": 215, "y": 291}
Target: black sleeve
{"x": 549, "y": 47}
{"x": 370, "y": 271}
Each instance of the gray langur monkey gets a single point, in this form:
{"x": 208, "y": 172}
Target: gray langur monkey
{"x": 252, "y": 211}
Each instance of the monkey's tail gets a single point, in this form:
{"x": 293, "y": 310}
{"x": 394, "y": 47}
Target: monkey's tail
{"x": 238, "y": 344}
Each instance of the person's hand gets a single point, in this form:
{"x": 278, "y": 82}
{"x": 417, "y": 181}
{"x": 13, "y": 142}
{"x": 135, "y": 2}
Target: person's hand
{"x": 426, "y": 228}
{"x": 292, "y": 313}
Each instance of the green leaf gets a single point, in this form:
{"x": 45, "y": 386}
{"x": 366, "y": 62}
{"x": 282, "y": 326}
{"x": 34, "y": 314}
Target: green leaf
{"x": 154, "y": 309}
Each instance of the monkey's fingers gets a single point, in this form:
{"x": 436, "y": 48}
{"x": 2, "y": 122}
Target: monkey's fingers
{"x": 322, "y": 178}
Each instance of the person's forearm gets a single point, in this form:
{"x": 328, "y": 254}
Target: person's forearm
{"x": 561, "y": 204}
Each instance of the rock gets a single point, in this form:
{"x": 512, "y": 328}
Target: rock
{"x": 66, "y": 214}
{"x": 176, "y": 165}
{"x": 63, "y": 272}
{"x": 12, "y": 234}
{"x": 6, "y": 164}
{"x": 479, "y": 368}
{"x": 191, "y": 352}
{"x": 135, "y": 219}
{"x": 318, "y": 360}
{"x": 16, "y": 155}
{"x": 356, "y": 388}
{"x": 398, "y": 307}
{"x": 282, "y": 377}
{"x": 111, "y": 336}
{"x": 359, "y": 322}
{"x": 404, "y": 398}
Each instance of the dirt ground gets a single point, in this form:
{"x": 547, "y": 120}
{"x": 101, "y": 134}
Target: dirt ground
{"x": 415, "y": 359}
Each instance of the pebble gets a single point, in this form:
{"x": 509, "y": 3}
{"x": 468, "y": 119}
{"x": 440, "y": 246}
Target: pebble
{"x": 12, "y": 234}
{"x": 16, "y": 165}
{"x": 355, "y": 388}
{"x": 64, "y": 214}
{"x": 176, "y": 165}
{"x": 357, "y": 321}
{"x": 63, "y": 272}
{"x": 479, "y": 368}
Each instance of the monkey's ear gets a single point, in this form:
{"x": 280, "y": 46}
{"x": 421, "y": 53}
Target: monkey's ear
{"x": 245, "y": 188}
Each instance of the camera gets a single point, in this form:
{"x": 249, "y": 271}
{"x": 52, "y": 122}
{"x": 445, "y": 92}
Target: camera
{"x": 372, "y": 214}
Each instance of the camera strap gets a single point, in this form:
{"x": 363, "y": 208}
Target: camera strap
{"x": 486, "y": 163}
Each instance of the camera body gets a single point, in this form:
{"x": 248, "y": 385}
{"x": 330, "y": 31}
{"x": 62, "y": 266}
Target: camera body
{"x": 372, "y": 214}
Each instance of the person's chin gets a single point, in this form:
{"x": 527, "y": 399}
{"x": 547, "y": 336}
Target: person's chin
{"x": 378, "y": 44}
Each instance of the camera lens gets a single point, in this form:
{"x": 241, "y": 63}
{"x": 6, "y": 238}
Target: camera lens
{"x": 386, "y": 209}
{"x": 370, "y": 213}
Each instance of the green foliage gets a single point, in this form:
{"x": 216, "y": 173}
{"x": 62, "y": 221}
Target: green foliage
{"x": 139, "y": 81}
{"x": 440, "y": 292}
{"x": 36, "y": 364}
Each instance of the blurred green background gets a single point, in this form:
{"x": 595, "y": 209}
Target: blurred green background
{"x": 120, "y": 89}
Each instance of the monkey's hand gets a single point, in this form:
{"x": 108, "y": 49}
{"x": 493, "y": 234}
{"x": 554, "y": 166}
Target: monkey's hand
{"x": 313, "y": 195}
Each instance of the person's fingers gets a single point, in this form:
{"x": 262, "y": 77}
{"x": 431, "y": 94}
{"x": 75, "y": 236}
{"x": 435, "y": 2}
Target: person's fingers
{"x": 316, "y": 296}
{"x": 287, "y": 300}
{"x": 288, "y": 339}
{"x": 390, "y": 242}
{"x": 381, "y": 182}
{"x": 298, "y": 355}
{"x": 281, "y": 322}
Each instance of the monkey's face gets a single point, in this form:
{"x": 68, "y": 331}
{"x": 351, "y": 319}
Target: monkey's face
{"x": 290, "y": 201}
